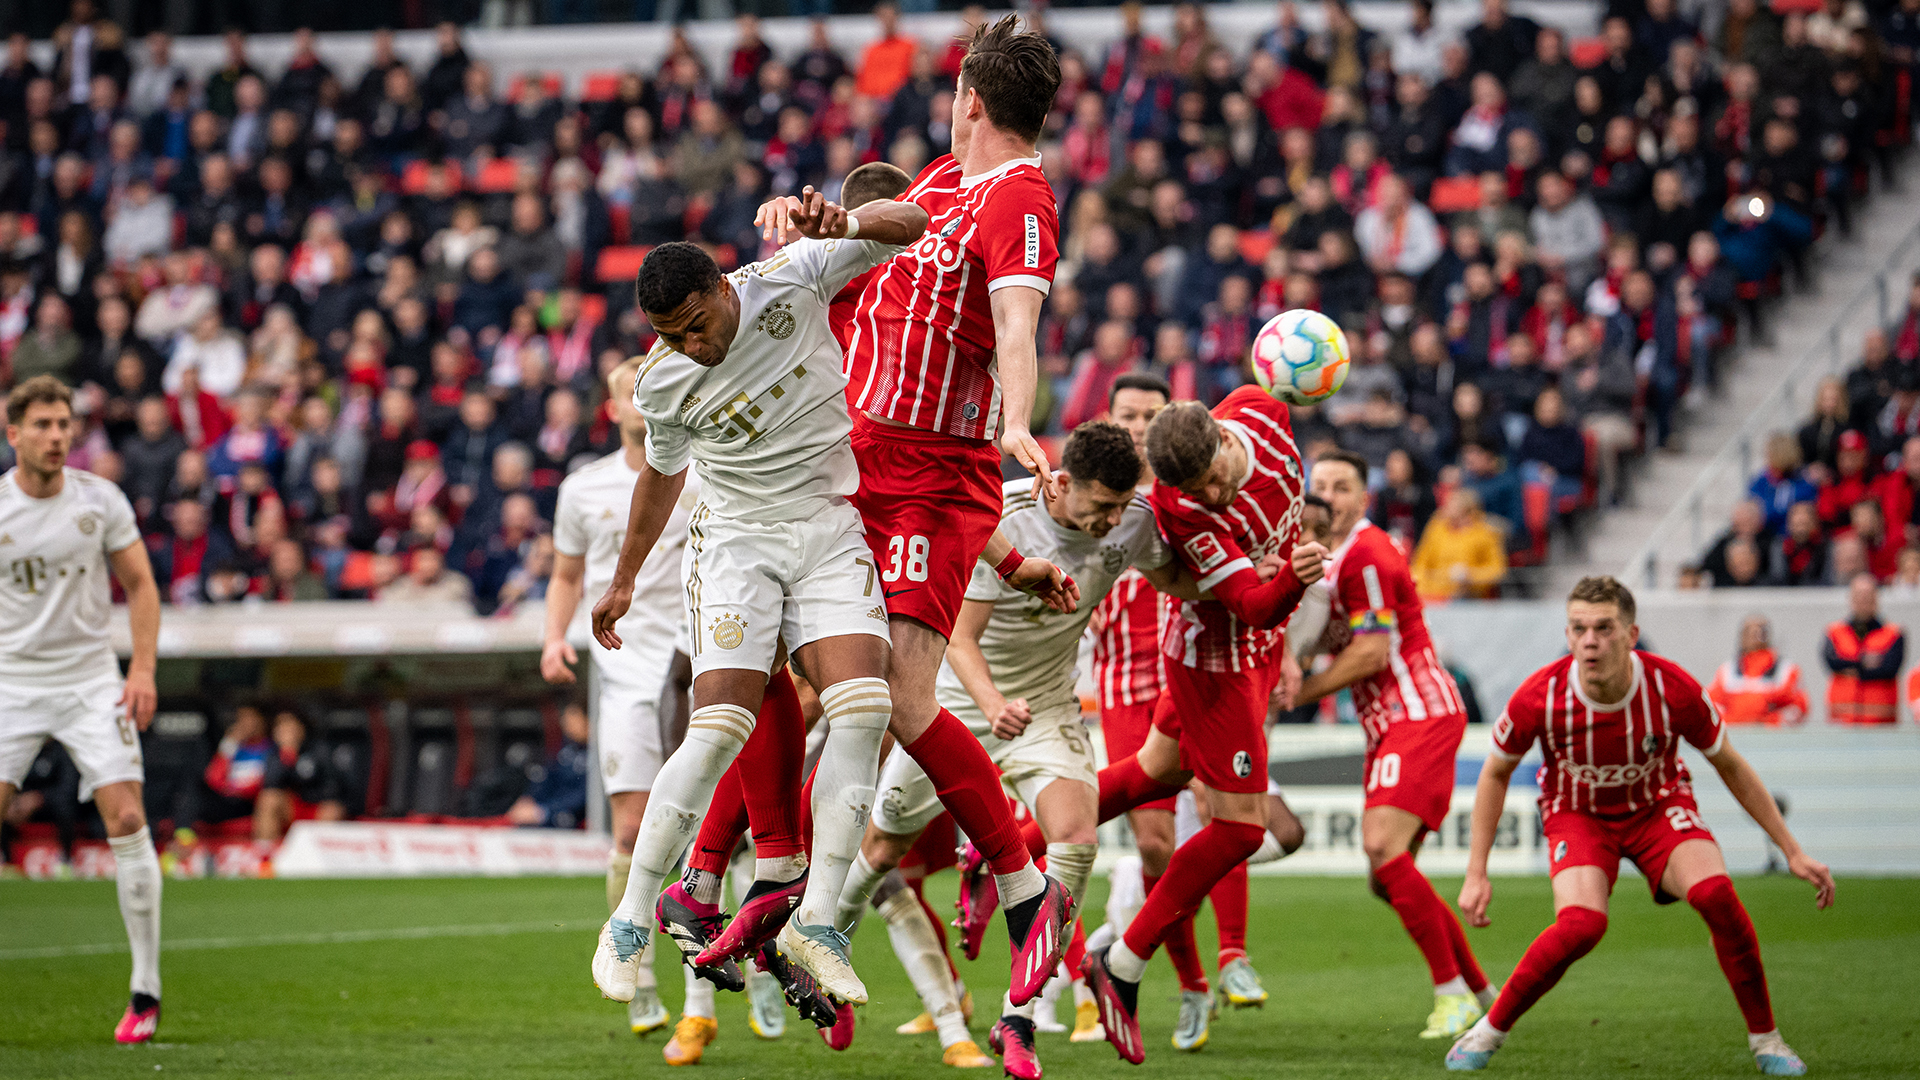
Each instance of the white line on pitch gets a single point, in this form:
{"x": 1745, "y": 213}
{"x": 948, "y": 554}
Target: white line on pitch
{"x": 331, "y": 937}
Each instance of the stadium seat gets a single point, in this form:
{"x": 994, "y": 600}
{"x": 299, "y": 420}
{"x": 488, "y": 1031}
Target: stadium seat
{"x": 1535, "y": 502}
{"x": 619, "y": 264}
{"x": 620, "y": 222}
{"x": 1254, "y": 245}
{"x": 497, "y": 177}
{"x": 1587, "y": 52}
{"x": 1452, "y": 194}
{"x": 598, "y": 86}
{"x": 413, "y": 179}
{"x": 432, "y": 786}
{"x": 549, "y": 82}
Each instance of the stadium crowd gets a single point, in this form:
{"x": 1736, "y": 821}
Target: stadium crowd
{"x": 342, "y": 339}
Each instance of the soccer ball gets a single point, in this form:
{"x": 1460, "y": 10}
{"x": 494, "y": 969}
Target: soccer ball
{"x": 1300, "y": 357}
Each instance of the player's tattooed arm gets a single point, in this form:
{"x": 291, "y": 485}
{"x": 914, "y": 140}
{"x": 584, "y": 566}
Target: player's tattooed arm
{"x": 1752, "y": 794}
{"x": 1009, "y": 718}
{"x": 135, "y": 574}
{"x": 811, "y": 215}
{"x": 1489, "y": 802}
{"x": 654, "y": 496}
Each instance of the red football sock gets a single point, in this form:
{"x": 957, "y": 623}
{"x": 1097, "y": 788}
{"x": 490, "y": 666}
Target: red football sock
{"x": 1573, "y": 934}
{"x": 1076, "y": 950}
{"x": 1182, "y": 952}
{"x": 1230, "y": 914}
{"x": 939, "y": 925}
{"x": 770, "y": 773}
{"x": 1737, "y": 946}
{"x": 1422, "y": 912}
{"x": 1470, "y": 972}
{"x": 1196, "y": 867}
{"x": 969, "y": 787}
{"x": 1125, "y": 785}
{"x": 721, "y": 829}
{"x": 1030, "y": 836}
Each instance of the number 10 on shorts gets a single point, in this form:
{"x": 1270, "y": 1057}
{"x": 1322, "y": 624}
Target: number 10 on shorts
{"x": 1386, "y": 772}
{"x": 908, "y": 555}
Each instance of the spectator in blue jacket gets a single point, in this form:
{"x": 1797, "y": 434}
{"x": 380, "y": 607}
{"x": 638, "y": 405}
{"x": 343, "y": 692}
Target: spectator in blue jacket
{"x": 1781, "y": 484}
{"x": 558, "y": 798}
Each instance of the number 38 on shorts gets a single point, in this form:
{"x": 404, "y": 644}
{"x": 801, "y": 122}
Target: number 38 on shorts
{"x": 906, "y": 556}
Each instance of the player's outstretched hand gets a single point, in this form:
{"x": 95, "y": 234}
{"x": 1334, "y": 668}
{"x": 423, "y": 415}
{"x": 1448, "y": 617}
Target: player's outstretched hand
{"x": 1038, "y": 577}
{"x": 810, "y": 215}
{"x": 1012, "y": 719}
{"x": 1309, "y": 562}
{"x": 557, "y": 659}
{"x": 1474, "y": 896}
{"x": 1025, "y": 449}
{"x": 608, "y": 611}
{"x": 139, "y": 698}
{"x": 1815, "y": 873}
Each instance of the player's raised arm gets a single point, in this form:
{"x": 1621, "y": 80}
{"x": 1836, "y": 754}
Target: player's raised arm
{"x": 135, "y": 574}
{"x": 1489, "y": 802}
{"x": 1757, "y": 801}
{"x": 564, "y": 589}
{"x": 653, "y": 497}
{"x": 811, "y": 215}
{"x": 1016, "y": 317}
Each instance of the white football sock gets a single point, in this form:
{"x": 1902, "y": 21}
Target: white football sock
{"x": 1126, "y": 891}
{"x": 1008, "y": 1008}
{"x": 861, "y": 881}
{"x": 1020, "y": 886}
{"x": 645, "y": 979}
{"x": 741, "y": 871}
{"x": 1082, "y": 993}
{"x": 1124, "y": 963}
{"x": 1455, "y": 985}
{"x": 779, "y": 868}
{"x": 1071, "y": 865}
{"x": 918, "y": 947}
{"x": 857, "y": 712}
{"x": 1269, "y": 851}
{"x": 681, "y": 794}
{"x": 136, "y": 877}
{"x": 1483, "y": 1036}
{"x": 1487, "y": 994}
{"x": 699, "y": 1000}
{"x": 619, "y": 868}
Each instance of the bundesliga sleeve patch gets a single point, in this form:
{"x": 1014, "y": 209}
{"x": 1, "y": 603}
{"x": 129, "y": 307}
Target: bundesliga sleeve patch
{"x": 1205, "y": 552}
{"x": 1033, "y": 241}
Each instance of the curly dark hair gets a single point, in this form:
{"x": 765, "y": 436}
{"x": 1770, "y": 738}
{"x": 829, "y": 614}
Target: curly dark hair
{"x": 1102, "y": 450}
{"x": 670, "y": 274}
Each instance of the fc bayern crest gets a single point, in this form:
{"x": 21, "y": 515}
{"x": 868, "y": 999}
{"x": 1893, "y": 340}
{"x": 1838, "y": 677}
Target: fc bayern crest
{"x": 778, "y": 321}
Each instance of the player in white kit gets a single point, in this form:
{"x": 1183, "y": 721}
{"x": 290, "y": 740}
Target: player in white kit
{"x": 61, "y": 530}
{"x": 588, "y": 527}
{"x": 746, "y": 380}
{"x": 1009, "y": 676}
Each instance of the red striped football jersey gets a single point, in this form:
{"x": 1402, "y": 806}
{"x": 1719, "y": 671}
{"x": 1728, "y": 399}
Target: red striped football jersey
{"x": 923, "y": 336}
{"x": 1373, "y": 594}
{"x": 1216, "y": 542}
{"x": 1610, "y": 761}
{"x": 1128, "y": 668}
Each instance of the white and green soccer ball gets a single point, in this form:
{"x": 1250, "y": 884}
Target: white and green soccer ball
{"x": 1300, "y": 357}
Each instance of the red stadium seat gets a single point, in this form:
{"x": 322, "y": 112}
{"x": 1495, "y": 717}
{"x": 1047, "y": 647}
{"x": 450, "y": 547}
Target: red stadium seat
{"x": 1452, "y": 194}
{"x": 1587, "y": 52}
{"x": 413, "y": 180}
{"x": 619, "y": 264}
{"x": 620, "y": 221}
{"x": 593, "y": 307}
{"x": 497, "y": 177}
{"x": 1796, "y": 7}
{"x": 1254, "y": 245}
{"x": 598, "y": 86}
{"x": 517, "y": 89}
{"x": 1536, "y": 507}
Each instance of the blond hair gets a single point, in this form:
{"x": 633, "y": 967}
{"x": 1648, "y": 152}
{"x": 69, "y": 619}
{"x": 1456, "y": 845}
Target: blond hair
{"x": 1604, "y": 589}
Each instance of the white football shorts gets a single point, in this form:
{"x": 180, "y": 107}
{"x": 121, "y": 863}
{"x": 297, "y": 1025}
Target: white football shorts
{"x": 752, "y": 584}
{"x": 1055, "y": 746}
{"x": 628, "y": 685}
{"x": 87, "y": 719}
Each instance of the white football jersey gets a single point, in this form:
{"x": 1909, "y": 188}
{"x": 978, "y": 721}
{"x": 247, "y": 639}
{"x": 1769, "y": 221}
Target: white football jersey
{"x": 591, "y": 522}
{"x": 55, "y": 599}
{"x": 769, "y": 425}
{"x": 1030, "y": 648}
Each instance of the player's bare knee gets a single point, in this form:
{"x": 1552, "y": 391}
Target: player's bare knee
{"x": 883, "y": 851}
{"x": 125, "y": 821}
{"x": 1286, "y": 829}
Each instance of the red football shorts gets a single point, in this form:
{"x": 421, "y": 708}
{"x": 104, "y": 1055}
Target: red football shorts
{"x": 1648, "y": 838}
{"x": 930, "y": 502}
{"x": 1220, "y": 721}
{"x": 1124, "y": 729}
{"x": 1411, "y": 767}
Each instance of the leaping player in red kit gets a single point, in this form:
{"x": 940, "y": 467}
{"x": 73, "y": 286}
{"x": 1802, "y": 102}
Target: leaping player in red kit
{"x": 1414, "y": 719}
{"x": 1227, "y": 495}
{"x": 944, "y": 337}
{"x": 1609, "y": 720}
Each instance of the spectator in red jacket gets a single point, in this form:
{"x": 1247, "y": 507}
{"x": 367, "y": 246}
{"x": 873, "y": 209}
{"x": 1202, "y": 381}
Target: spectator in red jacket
{"x": 1852, "y": 481}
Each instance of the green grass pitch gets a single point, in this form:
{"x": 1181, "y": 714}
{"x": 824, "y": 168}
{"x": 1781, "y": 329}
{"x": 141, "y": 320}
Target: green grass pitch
{"x": 512, "y": 997}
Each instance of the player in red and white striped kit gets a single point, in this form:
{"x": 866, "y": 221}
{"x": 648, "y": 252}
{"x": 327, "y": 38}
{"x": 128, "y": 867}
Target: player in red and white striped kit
{"x": 1227, "y": 495}
{"x": 1414, "y": 719}
{"x": 1609, "y": 720}
{"x": 944, "y": 336}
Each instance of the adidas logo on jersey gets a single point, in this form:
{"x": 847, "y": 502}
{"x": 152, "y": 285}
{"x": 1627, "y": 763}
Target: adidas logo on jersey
{"x": 689, "y": 403}
{"x": 877, "y": 612}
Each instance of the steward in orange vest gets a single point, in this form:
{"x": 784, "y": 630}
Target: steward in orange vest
{"x": 1865, "y": 656}
{"x": 1756, "y": 686}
